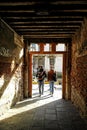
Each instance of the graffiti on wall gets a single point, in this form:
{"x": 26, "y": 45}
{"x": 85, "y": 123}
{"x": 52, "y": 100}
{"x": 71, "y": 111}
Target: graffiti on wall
{"x": 4, "y": 52}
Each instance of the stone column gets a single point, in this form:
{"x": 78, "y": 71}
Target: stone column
{"x": 47, "y": 63}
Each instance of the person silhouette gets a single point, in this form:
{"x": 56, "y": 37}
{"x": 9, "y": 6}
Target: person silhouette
{"x": 51, "y": 79}
{"x": 41, "y": 75}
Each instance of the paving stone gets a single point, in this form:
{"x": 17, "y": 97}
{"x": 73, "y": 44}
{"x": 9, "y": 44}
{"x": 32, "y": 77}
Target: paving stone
{"x": 45, "y": 113}
{"x": 50, "y": 117}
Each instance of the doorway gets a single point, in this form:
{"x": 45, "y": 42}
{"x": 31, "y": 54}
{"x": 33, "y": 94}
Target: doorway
{"x": 45, "y": 54}
{"x": 45, "y": 60}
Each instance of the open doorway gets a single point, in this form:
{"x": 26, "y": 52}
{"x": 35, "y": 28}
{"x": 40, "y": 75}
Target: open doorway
{"x": 45, "y": 60}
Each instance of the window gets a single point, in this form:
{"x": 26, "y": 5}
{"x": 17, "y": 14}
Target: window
{"x": 47, "y": 47}
{"x": 34, "y": 47}
{"x": 60, "y": 47}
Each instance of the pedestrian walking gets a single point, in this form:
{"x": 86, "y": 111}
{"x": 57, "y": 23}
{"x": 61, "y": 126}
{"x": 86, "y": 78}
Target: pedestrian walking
{"x": 51, "y": 79}
{"x": 41, "y": 75}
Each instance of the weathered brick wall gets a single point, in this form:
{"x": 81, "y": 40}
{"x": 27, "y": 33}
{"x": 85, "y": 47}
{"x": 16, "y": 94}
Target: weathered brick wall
{"x": 82, "y": 76}
{"x": 11, "y": 74}
{"x": 79, "y": 69}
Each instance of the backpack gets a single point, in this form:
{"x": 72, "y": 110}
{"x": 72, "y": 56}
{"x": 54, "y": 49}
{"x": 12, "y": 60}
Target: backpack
{"x": 54, "y": 77}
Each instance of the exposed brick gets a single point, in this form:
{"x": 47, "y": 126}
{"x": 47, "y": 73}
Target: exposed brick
{"x": 11, "y": 71}
{"x": 79, "y": 70}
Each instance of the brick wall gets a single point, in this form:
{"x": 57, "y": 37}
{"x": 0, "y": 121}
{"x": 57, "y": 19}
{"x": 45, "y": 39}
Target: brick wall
{"x": 79, "y": 70}
{"x": 11, "y": 73}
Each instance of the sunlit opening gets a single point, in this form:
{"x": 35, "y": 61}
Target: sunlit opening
{"x": 46, "y": 61}
{"x": 34, "y": 47}
{"x": 60, "y": 47}
{"x": 47, "y": 47}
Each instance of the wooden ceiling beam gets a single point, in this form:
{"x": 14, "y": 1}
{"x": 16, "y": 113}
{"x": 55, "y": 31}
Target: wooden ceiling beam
{"x": 46, "y": 27}
{"x": 54, "y": 19}
{"x": 49, "y": 40}
{"x": 44, "y": 30}
{"x": 52, "y": 2}
{"x": 44, "y": 22}
{"x": 22, "y": 11}
{"x": 48, "y": 35}
{"x": 43, "y": 17}
{"x": 32, "y": 14}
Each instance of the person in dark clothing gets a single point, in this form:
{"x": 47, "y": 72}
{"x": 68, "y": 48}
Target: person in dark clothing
{"x": 41, "y": 75}
{"x": 51, "y": 79}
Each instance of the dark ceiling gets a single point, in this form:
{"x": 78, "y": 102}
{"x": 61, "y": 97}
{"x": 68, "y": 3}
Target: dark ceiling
{"x": 35, "y": 20}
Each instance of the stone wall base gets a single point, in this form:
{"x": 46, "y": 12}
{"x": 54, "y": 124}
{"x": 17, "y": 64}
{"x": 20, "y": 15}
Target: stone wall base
{"x": 79, "y": 102}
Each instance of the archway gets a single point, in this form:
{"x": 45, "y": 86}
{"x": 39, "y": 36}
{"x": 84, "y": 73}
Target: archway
{"x": 51, "y": 52}
{"x": 45, "y": 60}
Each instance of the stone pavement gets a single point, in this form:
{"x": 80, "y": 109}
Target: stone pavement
{"x": 43, "y": 113}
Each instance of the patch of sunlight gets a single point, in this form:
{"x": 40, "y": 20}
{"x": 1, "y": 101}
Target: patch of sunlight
{"x": 2, "y": 81}
{"x": 30, "y": 104}
{"x": 21, "y": 53}
{"x": 12, "y": 65}
{"x": 9, "y": 88}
